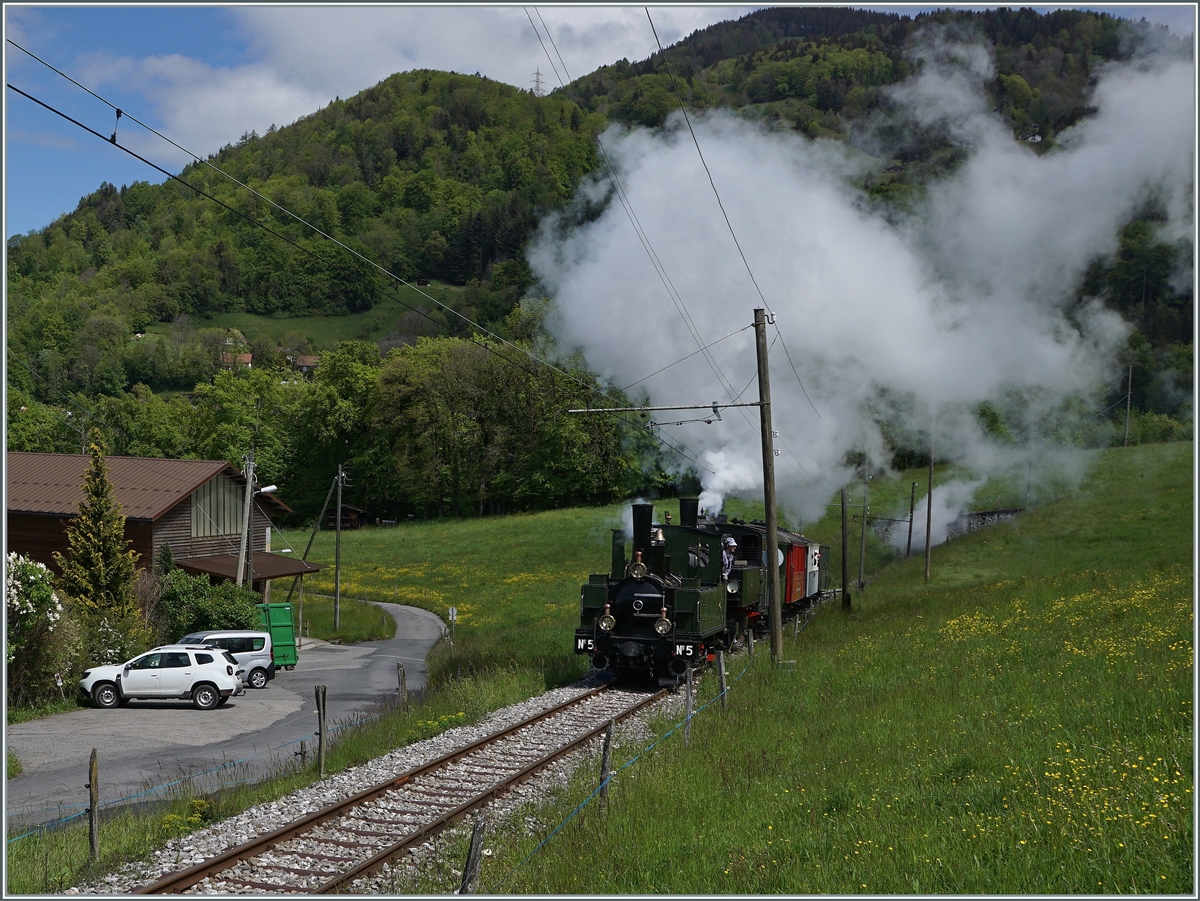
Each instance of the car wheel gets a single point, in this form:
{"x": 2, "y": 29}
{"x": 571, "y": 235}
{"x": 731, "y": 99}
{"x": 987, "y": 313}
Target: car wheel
{"x": 224, "y": 701}
{"x": 258, "y": 678}
{"x": 106, "y": 695}
{"x": 205, "y": 697}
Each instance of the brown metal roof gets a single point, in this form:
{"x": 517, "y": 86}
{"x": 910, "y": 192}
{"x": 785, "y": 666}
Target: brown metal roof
{"x": 145, "y": 487}
{"x": 266, "y": 566}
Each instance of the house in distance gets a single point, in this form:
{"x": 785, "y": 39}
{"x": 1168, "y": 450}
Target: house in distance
{"x": 197, "y": 507}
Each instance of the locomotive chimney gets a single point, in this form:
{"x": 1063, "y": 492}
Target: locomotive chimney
{"x": 643, "y": 518}
{"x": 688, "y": 509}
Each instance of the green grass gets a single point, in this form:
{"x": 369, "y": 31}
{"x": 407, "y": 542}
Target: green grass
{"x": 357, "y": 620}
{"x": 1021, "y": 724}
{"x": 326, "y": 331}
{"x": 16, "y": 715}
{"x": 13, "y": 764}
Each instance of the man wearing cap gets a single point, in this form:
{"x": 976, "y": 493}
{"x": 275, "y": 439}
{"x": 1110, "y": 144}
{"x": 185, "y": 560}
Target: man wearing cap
{"x": 728, "y": 546}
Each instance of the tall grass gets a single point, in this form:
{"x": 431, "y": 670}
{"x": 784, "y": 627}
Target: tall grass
{"x": 1021, "y": 724}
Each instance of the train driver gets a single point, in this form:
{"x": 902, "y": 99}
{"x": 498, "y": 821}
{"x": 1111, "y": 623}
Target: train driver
{"x": 728, "y": 546}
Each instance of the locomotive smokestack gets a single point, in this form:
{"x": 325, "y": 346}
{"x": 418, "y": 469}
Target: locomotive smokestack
{"x": 643, "y": 517}
{"x": 689, "y": 507}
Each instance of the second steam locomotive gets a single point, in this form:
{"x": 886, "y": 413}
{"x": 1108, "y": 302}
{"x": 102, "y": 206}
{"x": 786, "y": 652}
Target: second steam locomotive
{"x": 666, "y": 604}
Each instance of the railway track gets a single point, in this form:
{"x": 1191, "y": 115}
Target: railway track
{"x": 353, "y": 838}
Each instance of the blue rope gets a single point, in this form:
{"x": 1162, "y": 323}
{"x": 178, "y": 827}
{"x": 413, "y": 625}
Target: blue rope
{"x": 588, "y": 800}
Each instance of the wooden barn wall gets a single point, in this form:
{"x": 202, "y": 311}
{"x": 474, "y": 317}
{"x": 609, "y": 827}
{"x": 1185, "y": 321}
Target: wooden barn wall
{"x": 175, "y": 528}
{"x": 38, "y": 536}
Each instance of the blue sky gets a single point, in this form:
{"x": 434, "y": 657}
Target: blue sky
{"x": 205, "y": 75}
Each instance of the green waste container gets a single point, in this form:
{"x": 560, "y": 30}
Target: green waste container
{"x": 277, "y": 619}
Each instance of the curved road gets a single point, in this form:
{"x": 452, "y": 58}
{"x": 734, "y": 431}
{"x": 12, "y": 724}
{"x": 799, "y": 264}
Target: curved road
{"x": 151, "y": 743}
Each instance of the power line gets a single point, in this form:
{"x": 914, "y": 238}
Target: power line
{"x": 716, "y": 193}
{"x": 682, "y": 450}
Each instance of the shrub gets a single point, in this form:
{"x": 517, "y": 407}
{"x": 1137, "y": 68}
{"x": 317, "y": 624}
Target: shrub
{"x": 34, "y": 614}
{"x": 1155, "y": 428}
{"x": 191, "y": 603}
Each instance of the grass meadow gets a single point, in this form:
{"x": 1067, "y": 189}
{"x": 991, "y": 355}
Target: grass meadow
{"x": 1022, "y": 723}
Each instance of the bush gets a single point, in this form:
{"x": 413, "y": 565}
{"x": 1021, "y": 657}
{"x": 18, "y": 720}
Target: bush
{"x": 191, "y": 604}
{"x": 1155, "y": 428}
{"x": 40, "y": 638}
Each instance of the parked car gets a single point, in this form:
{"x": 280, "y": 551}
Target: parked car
{"x": 208, "y": 676}
{"x": 252, "y": 650}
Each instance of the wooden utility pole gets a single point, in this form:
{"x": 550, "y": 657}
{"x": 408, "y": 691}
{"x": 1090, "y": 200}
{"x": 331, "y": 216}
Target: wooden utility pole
{"x": 337, "y": 555}
{"x": 845, "y": 558}
{"x": 929, "y": 510}
{"x": 1129, "y": 398}
{"x": 775, "y": 605}
{"x": 862, "y": 545}
{"x": 912, "y": 501}
{"x": 248, "y": 471}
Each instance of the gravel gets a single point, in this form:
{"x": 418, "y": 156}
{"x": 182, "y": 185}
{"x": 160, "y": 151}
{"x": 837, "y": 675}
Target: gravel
{"x": 196, "y": 847}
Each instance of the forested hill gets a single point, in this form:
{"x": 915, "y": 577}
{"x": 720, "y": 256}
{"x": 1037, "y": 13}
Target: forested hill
{"x": 444, "y": 176}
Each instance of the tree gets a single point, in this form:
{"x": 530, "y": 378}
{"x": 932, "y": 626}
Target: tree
{"x": 99, "y": 569}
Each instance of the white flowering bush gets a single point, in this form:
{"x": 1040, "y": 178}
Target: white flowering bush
{"x": 34, "y": 609}
{"x": 40, "y": 642}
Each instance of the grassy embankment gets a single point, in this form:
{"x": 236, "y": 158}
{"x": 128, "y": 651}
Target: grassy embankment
{"x": 1021, "y": 724}
{"x": 947, "y": 702}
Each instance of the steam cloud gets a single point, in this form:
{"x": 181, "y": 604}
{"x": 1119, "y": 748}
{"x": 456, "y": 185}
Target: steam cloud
{"x": 964, "y": 301}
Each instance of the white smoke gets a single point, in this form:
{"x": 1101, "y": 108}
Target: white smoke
{"x": 950, "y": 501}
{"x": 961, "y": 303}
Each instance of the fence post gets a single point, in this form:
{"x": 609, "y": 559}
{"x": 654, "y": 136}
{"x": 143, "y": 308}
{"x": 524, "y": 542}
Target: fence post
{"x": 320, "y": 691}
{"x": 470, "y": 878}
{"x": 796, "y": 626}
{"x": 94, "y": 806}
{"x": 402, "y": 682}
{"x": 606, "y": 759}
{"x": 303, "y": 755}
{"x": 721, "y": 674}
{"x": 750, "y": 641}
{"x": 687, "y": 726}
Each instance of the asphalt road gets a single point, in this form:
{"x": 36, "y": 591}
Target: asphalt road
{"x": 148, "y": 744}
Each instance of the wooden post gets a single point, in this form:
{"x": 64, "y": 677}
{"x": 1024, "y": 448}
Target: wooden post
{"x": 845, "y": 558}
{"x": 774, "y": 602}
{"x": 303, "y": 755}
{"x": 929, "y": 510}
{"x": 912, "y": 500}
{"x": 687, "y": 725}
{"x": 402, "y": 685}
{"x": 750, "y": 640}
{"x": 337, "y": 555}
{"x": 320, "y": 691}
{"x": 606, "y": 759}
{"x": 94, "y": 806}
{"x": 796, "y": 625}
{"x": 470, "y": 880}
{"x": 300, "y": 615}
{"x": 721, "y": 675}
{"x": 862, "y": 547}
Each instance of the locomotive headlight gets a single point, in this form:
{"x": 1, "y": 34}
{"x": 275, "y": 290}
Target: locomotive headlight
{"x": 732, "y": 587}
{"x": 607, "y": 622}
{"x": 662, "y": 626}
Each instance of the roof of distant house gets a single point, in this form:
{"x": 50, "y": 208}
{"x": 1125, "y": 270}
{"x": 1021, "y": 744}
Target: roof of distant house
{"x": 145, "y": 487}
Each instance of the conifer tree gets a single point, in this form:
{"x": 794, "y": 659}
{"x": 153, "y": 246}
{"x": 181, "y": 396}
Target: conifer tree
{"x": 98, "y": 571}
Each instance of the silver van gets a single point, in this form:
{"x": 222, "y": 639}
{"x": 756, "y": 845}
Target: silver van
{"x": 252, "y": 650}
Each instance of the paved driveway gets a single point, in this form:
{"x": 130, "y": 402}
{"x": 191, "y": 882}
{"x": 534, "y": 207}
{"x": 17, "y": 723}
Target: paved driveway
{"x": 151, "y": 743}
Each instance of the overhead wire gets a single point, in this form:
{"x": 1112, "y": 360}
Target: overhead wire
{"x": 728, "y": 224}
{"x": 679, "y": 448}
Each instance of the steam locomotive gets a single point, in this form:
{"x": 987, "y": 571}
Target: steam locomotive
{"x": 665, "y": 607}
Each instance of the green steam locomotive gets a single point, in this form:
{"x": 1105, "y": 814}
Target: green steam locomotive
{"x": 668, "y": 602}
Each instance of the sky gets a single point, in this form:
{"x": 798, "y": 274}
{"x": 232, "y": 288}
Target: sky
{"x": 205, "y": 75}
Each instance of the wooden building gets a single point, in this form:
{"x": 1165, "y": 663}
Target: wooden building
{"x": 196, "y": 507}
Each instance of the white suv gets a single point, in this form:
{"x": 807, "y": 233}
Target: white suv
{"x": 208, "y": 676}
